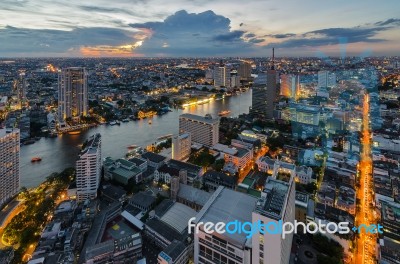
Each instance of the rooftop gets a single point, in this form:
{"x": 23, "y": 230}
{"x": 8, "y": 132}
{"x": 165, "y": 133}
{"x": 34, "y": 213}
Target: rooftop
{"x": 143, "y": 199}
{"x": 193, "y": 194}
{"x": 273, "y": 202}
{"x": 153, "y": 157}
{"x": 178, "y": 216}
{"x": 173, "y": 250}
{"x": 226, "y": 205}
{"x": 203, "y": 119}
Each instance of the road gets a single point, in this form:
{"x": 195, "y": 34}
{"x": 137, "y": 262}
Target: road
{"x": 13, "y": 208}
{"x": 365, "y": 244}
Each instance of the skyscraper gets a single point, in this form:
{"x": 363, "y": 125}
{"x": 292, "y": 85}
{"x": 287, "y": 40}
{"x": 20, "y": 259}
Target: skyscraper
{"x": 265, "y": 92}
{"x": 221, "y": 76}
{"x": 72, "y": 93}
{"x": 290, "y": 85}
{"x": 203, "y": 130}
{"x": 277, "y": 203}
{"x": 326, "y": 79}
{"x": 20, "y": 89}
{"x": 88, "y": 169}
{"x": 9, "y": 163}
{"x": 244, "y": 71}
{"x": 271, "y": 89}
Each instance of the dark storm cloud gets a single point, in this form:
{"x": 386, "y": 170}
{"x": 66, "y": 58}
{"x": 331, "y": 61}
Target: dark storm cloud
{"x": 229, "y": 37}
{"x": 330, "y": 36}
{"x": 196, "y": 34}
{"x": 250, "y": 35}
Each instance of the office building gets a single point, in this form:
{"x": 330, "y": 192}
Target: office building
{"x": 221, "y": 76}
{"x": 9, "y": 163}
{"x": 259, "y": 95}
{"x": 290, "y": 86}
{"x": 326, "y": 79}
{"x": 181, "y": 146}
{"x": 225, "y": 205}
{"x": 244, "y": 70}
{"x": 277, "y": 203}
{"x": 203, "y": 130}
{"x": 265, "y": 93}
{"x": 88, "y": 169}
{"x": 72, "y": 94}
{"x": 20, "y": 89}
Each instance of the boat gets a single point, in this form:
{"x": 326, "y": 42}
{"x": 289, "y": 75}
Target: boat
{"x": 150, "y": 122}
{"x": 223, "y": 113}
{"x": 126, "y": 120}
{"x": 112, "y": 123}
{"x": 130, "y": 147}
{"x": 74, "y": 132}
{"x": 36, "y": 159}
{"x": 117, "y": 122}
{"x": 29, "y": 142}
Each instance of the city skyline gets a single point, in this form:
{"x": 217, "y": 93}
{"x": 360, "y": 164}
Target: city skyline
{"x": 197, "y": 28}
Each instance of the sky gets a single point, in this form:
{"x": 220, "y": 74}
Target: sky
{"x": 198, "y": 28}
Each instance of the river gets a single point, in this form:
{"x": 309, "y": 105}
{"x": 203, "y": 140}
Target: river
{"x": 61, "y": 152}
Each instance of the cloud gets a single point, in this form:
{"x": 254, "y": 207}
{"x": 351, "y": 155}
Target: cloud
{"x": 281, "y": 36}
{"x": 390, "y": 21}
{"x": 40, "y": 42}
{"x": 229, "y": 37}
{"x": 330, "y": 36}
{"x": 194, "y": 34}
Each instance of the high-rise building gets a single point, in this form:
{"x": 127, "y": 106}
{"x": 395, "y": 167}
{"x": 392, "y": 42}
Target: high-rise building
{"x": 326, "y": 79}
{"x": 271, "y": 92}
{"x": 290, "y": 85}
{"x": 277, "y": 203}
{"x": 244, "y": 71}
{"x": 88, "y": 169}
{"x": 224, "y": 205}
{"x": 20, "y": 89}
{"x": 264, "y": 97}
{"x": 203, "y": 130}
{"x": 72, "y": 93}
{"x": 221, "y": 76}
{"x": 259, "y": 95}
{"x": 9, "y": 163}
{"x": 181, "y": 146}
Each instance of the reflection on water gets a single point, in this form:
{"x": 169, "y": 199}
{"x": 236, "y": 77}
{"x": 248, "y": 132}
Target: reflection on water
{"x": 59, "y": 153}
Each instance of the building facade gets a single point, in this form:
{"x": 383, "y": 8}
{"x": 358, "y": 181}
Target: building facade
{"x": 277, "y": 203}
{"x": 181, "y": 146}
{"x": 290, "y": 85}
{"x": 203, "y": 130}
{"x": 88, "y": 169}
{"x": 9, "y": 163}
{"x": 72, "y": 93}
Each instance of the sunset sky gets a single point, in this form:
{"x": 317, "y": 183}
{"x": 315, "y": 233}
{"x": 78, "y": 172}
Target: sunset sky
{"x": 198, "y": 28}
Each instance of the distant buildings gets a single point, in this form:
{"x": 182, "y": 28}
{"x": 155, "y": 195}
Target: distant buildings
{"x": 72, "y": 93}
{"x": 181, "y": 146}
{"x": 326, "y": 79}
{"x": 9, "y": 163}
{"x": 88, "y": 169}
{"x": 203, "y": 130}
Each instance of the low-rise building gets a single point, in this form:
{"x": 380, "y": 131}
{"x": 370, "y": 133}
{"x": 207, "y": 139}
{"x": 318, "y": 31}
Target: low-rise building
{"x": 122, "y": 171}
